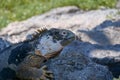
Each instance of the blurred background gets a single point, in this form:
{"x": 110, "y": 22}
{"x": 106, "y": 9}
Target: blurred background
{"x": 17, "y": 10}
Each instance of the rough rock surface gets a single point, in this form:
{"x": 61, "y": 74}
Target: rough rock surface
{"x": 105, "y": 21}
{"x": 105, "y": 55}
{"x": 4, "y": 44}
{"x": 98, "y": 29}
{"x": 73, "y": 64}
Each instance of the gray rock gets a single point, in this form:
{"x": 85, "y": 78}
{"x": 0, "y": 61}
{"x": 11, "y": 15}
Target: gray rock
{"x": 67, "y": 17}
{"x": 107, "y": 55}
{"x": 4, "y": 44}
{"x": 106, "y": 33}
{"x": 72, "y": 64}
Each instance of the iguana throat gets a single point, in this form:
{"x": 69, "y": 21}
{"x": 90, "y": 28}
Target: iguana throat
{"x": 46, "y": 45}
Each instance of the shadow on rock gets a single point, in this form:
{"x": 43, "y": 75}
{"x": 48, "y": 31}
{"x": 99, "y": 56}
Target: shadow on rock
{"x": 104, "y": 46}
{"x": 108, "y": 55}
{"x": 106, "y": 33}
{"x": 4, "y": 44}
{"x": 73, "y": 64}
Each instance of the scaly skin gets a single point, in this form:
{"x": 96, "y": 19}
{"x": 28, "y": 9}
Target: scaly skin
{"x": 30, "y": 68}
{"x": 16, "y": 59}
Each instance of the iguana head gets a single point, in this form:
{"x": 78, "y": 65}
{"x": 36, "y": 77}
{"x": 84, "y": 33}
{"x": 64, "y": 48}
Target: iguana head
{"x": 53, "y": 40}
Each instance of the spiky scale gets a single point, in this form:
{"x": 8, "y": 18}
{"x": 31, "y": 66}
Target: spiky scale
{"x": 36, "y": 34}
{"x": 39, "y": 32}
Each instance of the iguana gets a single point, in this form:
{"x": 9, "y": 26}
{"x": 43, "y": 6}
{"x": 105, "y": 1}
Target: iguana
{"x": 23, "y": 60}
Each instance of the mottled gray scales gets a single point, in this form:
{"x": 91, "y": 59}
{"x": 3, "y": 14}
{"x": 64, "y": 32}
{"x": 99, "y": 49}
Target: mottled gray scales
{"x": 19, "y": 53}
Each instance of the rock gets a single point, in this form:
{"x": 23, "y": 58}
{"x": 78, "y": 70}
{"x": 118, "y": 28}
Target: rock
{"x": 106, "y": 33}
{"x": 108, "y": 55}
{"x": 72, "y": 64}
{"x": 69, "y": 18}
{"x": 4, "y": 44}
{"x": 118, "y": 4}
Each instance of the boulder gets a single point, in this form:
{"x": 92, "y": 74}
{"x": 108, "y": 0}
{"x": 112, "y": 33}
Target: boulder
{"x": 73, "y": 64}
{"x": 107, "y": 55}
{"x": 72, "y": 18}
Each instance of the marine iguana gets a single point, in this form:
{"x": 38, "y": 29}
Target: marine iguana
{"x": 17, "y": 57}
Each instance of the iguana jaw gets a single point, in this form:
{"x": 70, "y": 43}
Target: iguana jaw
{"x": 68, "y": 40}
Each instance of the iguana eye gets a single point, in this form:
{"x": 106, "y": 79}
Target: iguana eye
{"x": 64, "y": 33}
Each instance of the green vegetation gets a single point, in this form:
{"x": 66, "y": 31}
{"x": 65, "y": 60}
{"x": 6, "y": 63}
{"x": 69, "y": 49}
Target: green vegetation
{"x": 12, "y": 10}
{"x": 117, "y": 79}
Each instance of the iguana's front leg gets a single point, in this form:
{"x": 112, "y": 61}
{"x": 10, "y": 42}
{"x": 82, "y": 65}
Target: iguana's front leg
{"x": 46, "y": 74}
{"x": 30, "y": 69}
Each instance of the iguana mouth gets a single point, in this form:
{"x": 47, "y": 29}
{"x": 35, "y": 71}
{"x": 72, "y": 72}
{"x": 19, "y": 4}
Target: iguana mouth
{"x": 68, "y": 40}
{"x": 72, "y": 37}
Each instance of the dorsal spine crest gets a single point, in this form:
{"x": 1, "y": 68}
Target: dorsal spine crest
{"x": 39, "y": 32}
